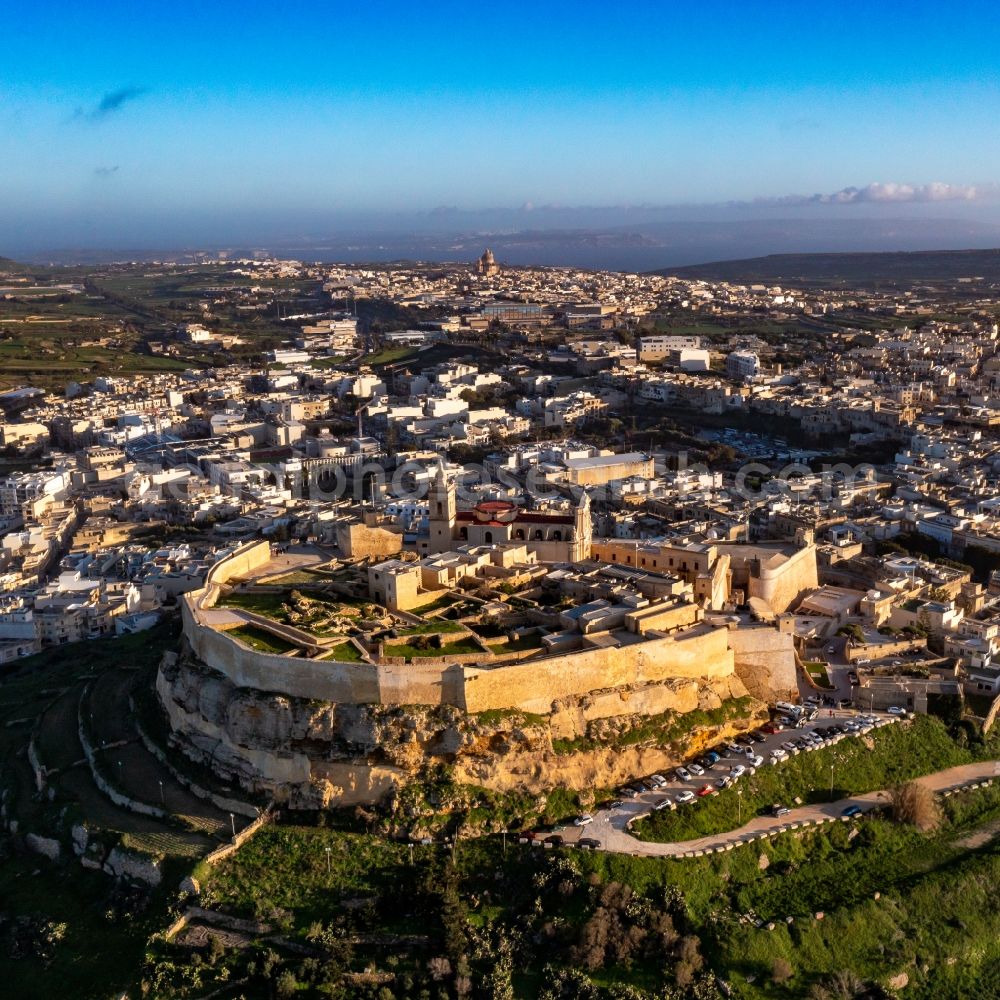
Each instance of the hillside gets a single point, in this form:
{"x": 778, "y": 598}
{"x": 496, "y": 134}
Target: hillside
{"x": 852, "y": 269}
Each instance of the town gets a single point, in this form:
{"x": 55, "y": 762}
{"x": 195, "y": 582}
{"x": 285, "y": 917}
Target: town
{"x": 477, "y": 550}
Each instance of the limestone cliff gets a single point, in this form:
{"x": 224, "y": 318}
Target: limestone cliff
{"x": 313, "y": 754}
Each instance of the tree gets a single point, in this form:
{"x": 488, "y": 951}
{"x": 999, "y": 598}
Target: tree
{"x": 916, "y": 804}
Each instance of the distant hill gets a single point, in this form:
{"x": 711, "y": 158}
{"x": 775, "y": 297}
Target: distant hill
{"x": 851, "y": 269}
{"x": 8, "y": 266}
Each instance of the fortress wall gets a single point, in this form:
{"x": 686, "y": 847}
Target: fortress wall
{"x": 765, "y": 661}
{"x": 781, "y": 586}
{"x": 531, "y": 686}
{"x": 323, "y": 680}
{"x": 534, "y": 686}
{"x": 421, "y": 685}
{"x": 244, "y": 561}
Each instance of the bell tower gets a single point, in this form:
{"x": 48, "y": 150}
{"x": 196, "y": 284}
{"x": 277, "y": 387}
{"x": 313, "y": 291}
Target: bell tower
{"x": 442, "y": 505}
{"x": 583, "y": 536}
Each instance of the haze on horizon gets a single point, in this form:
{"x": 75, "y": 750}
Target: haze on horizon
{"x": 185, "y": 124}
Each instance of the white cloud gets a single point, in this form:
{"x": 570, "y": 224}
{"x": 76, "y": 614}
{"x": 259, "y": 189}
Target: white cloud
{"x": 935, "y": 191}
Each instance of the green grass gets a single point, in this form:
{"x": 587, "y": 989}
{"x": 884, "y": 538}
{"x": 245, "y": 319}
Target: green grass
{"x": 257, "y": 638}
{"x": 432, "y": 627}
{"x": 936, "y": 900}
{"x": 389, "y": 355}
{"x": 817, "y": 671}
{"x": 900, "y": 752}
{"x": 524, "y": 643}
{"x": 276, "y": 607}
{"x": 345, "y": 652}
{"x": 459, "y": 648}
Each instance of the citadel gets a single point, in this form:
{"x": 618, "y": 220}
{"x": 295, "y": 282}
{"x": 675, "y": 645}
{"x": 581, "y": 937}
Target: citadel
{"x": 427, "y": 658}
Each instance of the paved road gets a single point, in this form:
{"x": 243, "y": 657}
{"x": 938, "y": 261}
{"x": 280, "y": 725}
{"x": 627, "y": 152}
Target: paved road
{"x": 610, "y": 825}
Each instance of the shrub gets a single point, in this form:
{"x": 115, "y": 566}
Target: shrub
{"x": 917, "y": 805}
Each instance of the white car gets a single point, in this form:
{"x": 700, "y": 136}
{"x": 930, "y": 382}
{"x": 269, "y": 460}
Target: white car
{"x": 737, "y": 771}
{"x": 583, "y": 820}
{"x": 686, "y": 796}
{"x": 663, "y": 803}
{"x": 696, "y": 769}
{"x": 896, "y": 710}
{"x": 658, "y": 780}
{"x": 755, "y": 761}
{"x": 683, "y": 774}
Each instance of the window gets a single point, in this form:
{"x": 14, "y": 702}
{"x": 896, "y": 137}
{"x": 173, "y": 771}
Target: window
{"x": 488, "y": 537}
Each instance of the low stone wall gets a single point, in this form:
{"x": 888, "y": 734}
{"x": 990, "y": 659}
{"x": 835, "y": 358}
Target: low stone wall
{"x": 876, "y": 650}
{"x": 117, "y": 797}
{"x": 219, "y": 801}
{"x": 221, "y": 853}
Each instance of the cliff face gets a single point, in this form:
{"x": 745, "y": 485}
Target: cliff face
{"x": 312, "y": 754}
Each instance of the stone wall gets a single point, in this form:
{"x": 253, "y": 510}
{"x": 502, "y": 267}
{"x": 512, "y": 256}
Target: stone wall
{"x": 854, "y": 651}
{"x": 358, "y": 541}
{"x": 533, "y": 686}
{"x": 765, "y": 661}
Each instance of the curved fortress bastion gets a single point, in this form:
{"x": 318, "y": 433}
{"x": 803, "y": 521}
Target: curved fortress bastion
{"x": 321, "y": 731}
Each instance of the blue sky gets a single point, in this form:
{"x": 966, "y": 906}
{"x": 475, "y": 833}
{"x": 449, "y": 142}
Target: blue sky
{"x": 119, "y": 119}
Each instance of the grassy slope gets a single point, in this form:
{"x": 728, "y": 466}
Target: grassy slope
{"x": 897, "y": 754}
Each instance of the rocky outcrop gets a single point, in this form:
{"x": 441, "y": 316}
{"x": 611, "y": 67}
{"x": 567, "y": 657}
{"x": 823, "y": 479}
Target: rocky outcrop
{"x": 313, "y": 754}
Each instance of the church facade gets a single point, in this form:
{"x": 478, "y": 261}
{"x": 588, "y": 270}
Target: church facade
{"x": 552, "y": 536}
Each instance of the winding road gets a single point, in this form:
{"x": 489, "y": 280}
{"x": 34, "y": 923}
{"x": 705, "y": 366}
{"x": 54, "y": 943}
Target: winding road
{"x": 610, "y": 826}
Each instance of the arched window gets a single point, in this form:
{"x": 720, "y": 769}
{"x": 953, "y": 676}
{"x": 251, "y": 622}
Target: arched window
{"x": 538, "y": 534}
{"x": 519, "y": 534}
{"x": 488, "y": 537}
{"x": 464, "y": 533}
{"x": 557, "y": 536}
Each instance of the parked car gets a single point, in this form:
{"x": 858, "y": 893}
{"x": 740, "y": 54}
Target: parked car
{"x": 664, "y": 803}
{"x": 686, "y": 796}
{"x": 705, "y": 790}
{"x": 733, "y": 749}
{"x": 683, "y": 774}
{"x": 696, "y": 769}
{"x": 658, "y": 780}
{"x": 724, "y": 782}
{"x": 713, "y": 757}
{"x": 771, "y": 728}
{"x": 755, "y": 761}
{"x": 627, "y": 792}
{"x": 556, "y": 840}
{"x": 737, "y": 771}
{"x": 588, "y": 843}
{"x": 779, "y": 810}
{"x": 757, "y": 736}
{"x": 851, "y": 811}
{"x": 705, "y": 762}
{"x": 896, "y": 710}
{"x": 585, "y": 820}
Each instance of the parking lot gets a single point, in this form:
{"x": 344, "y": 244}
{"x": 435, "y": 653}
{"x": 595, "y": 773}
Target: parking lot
{"x": 607, "y": 828}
